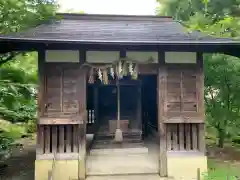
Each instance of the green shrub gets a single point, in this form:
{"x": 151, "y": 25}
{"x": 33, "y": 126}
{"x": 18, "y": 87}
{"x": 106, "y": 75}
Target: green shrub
{"x": 31, "y": 126}
{"x": 236, "y": 139}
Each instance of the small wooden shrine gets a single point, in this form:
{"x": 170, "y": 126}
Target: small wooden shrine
{"x": 115, "y": 76}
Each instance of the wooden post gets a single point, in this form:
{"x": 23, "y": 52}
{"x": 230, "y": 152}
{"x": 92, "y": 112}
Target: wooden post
{"x": 82, "y": 88}
{"x": 161, "y": 81}
{"x": 96, "y": 121}
{"x": 40, "y": 101}
{"x": 118, "y": 133}
{"x": 139, "y": 108}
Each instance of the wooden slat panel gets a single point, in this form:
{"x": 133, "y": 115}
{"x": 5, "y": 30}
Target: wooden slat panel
{"x": 181, "y": 137}
{"x": 47, "y": 136}
{"x": 162, "y": 99}
{"x": 75, "y": 138}
{"x": 188, "y": 137}
{"x": 190, "y": 106}
{"x": 175, "y": 137}
{"x": 54, "y": 139}
{"x": 68, "y": 138}
{"x": 40, "y": 139}
{"x": 61, "y": 139}
{"x": 195, "y": 136}
{"x": 173, "y": 106}
{"x": 173, "y": 97}
{"x": 169, "y": 137}
{"x": 201, "y": 138}
{"x": 70, "y": 96}
{"x": 53, "y": 89}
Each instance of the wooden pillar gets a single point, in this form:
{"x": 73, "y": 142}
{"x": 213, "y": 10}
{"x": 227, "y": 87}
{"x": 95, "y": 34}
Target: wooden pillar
{"x": 161, "y": 95}
{"x": 201, "y": 109}
{"x": 40, "y": 101}
{"x": 82, "y": 88}
{"x": 139, "y": 108}
{"x": 96, "y": 122}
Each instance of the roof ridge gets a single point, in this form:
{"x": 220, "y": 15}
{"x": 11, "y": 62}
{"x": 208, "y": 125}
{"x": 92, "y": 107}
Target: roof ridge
{"x": 76, "y": 16}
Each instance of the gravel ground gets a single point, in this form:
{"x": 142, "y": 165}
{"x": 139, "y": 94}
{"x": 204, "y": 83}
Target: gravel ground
{"x": 20, "y": 166}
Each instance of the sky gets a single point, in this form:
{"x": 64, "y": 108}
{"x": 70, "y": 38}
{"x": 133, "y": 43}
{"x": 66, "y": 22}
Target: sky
{"x": 127, "y": 7}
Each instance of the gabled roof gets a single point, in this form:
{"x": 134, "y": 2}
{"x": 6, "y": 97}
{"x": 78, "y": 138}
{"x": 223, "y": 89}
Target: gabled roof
{"x": 112, "y": 28}
{"x": 108, "y": 31}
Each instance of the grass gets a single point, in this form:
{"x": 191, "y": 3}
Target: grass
{"x": 220, "y": 170}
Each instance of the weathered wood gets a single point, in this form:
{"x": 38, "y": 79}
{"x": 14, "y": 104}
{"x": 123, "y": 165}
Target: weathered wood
{"x": 40, "y": 139}
{"x": 188, "y": 136}
{"x": 183, "y": 100}
{"x": 54, "y": 139}
{"x": 182, "y": 119}
{"x": 175, "y": 137}
{"x": 68, "y": 138}
{"x": 181, "y": 137}
{"x": 81, "y": 90}
{"x": 47, "y": 138}
{"x": 96, "y": 122}
{"x": 61, "y": 139}
{"x": 73, "y": 119}
{"x": 41, "y": 85}
{"x": 169, "y": 137}
{"x": 75, "y": 138}
{"x": 194, "y": 136}
{"x": 161, "y": 94}
{"x": 201, "y": 138}
{"x": 139, "y": 108}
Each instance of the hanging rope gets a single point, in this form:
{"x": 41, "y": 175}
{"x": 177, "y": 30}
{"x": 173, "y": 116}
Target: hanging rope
{"x": 118, "y": 69}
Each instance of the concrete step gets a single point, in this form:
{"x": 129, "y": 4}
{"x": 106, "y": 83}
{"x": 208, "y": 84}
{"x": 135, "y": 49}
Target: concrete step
{"x": 118, "y": 151}
{"x": 127, "y": 177}
{"x": 107, "y": 145}
{"x": 122, "y": 164}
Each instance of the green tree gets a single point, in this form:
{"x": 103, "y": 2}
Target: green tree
{"x": 184, "y": 9}
{"x": 18, "y": 70}
{"x": 17, "y": 15}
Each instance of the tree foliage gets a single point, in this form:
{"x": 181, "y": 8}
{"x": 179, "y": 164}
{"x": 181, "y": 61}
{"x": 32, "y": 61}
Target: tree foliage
{"x": 18, "y": 70}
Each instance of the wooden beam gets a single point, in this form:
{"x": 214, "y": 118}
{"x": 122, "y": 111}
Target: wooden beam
{"x": 82, "y": 88}
{"x": 96, "y": 121}
{"x": 161, "y": 109}
{"x": 78, "y": 119}
{"x": 41, "y": 83}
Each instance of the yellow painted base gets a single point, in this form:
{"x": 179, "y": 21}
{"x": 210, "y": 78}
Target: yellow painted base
{"x": 179, "y": 167}
{"x": 64, "y": 170}
{"x": 185, "y": 167}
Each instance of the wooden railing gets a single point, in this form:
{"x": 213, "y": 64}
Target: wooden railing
{"x": 91, "y": 116}
{"x": 183, "y": 137}
{"x": 58, "y": 139}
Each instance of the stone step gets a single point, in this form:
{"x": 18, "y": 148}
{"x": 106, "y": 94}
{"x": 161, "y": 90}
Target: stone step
{"x": 127, "y": 177}
{"x": 122, "y": 164}
{"x": 117, "y": 146}
{"x": 125, "y": 136}
{"x": 118, "y": 151}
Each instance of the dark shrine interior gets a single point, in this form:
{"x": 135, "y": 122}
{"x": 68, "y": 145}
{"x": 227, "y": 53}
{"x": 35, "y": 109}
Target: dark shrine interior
{"x": 129, "y": 98}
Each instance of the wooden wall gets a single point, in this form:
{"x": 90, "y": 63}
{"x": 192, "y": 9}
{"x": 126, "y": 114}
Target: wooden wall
{"x": 62, "y": 109}
{"x": 180, "y": 106}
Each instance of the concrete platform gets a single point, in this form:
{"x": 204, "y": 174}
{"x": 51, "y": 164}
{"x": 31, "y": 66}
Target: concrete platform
{"x": 128, "y": 177}
{"x": 122, "y": 164}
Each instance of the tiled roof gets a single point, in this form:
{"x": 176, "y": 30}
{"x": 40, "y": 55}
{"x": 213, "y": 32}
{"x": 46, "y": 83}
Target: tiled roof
{"x": 111, "y": 28}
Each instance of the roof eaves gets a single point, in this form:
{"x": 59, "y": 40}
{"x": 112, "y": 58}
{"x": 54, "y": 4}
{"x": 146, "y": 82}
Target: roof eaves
{"x": 183, "y": 42}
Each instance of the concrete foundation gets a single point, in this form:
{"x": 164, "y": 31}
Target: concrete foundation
{"x": 64, "y": 169}
{"x": 185, "y": 165}
{"x": 180, "y": 166}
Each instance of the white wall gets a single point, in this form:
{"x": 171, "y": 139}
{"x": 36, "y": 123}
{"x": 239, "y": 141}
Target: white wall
{"x": 180, "y": 57}
{"x": 62, "y": 56}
